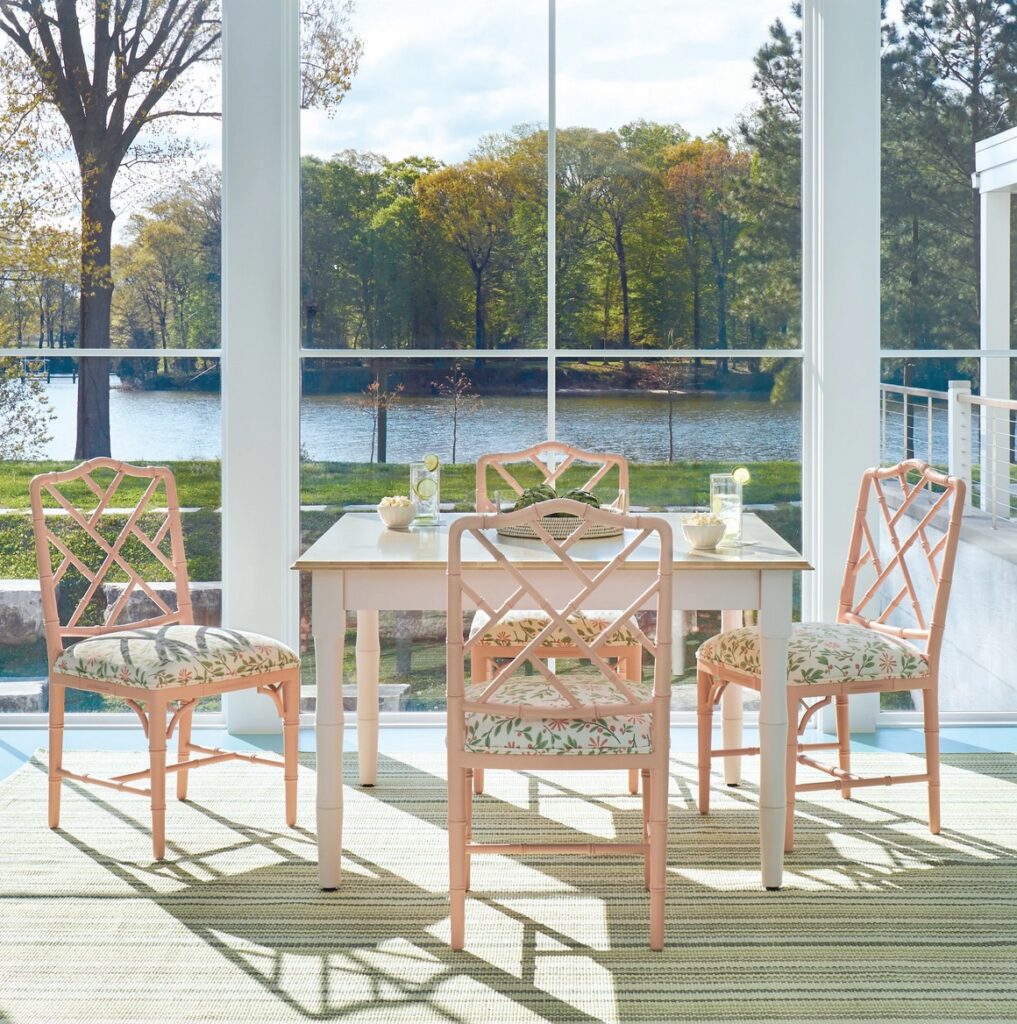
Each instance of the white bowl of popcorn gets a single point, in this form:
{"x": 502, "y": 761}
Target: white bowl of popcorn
{"x": 397, "y": 511}
{"x": 703, "y": 530}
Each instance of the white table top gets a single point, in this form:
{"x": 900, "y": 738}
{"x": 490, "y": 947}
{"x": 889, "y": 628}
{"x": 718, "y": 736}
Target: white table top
{"x": 360, "y": 541}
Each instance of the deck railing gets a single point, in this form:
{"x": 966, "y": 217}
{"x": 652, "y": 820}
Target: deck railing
{"x": 972, "y": 437}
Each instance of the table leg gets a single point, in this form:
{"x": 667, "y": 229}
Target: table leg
{"x": 731, "y": 707}
{"x": 774, "y": 630}
{"x": 368, "y": 658}
{"x": 328, "y": 624}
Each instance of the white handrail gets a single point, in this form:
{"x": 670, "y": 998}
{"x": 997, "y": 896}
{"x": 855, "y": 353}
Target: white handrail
{"x": 991, "y": 403}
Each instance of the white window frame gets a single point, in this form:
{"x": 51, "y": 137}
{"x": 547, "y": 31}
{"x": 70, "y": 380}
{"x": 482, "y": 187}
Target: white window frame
{"x": 262, "y": 356}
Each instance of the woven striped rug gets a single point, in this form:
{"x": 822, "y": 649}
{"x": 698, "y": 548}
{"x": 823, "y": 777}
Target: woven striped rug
{"x": 879, "y": 921}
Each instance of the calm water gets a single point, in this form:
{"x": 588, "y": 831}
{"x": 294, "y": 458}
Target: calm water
{"x": 185, "y": 425}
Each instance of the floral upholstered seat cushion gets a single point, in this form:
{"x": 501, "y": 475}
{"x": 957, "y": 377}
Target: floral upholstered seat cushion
{"x": 154, "y": 657}
{"x": 822, "y": 653}
{"x": 490, "y": 733}
{"x": 518, "y": 627}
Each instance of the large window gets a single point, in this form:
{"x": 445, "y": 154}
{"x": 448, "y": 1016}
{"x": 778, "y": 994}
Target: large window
{"x": 934, "y": 110}
{"x": 606, "y": 172}
{"x": 109, "y": 295}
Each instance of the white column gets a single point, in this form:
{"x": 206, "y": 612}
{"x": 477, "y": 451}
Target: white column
{"x": 959, "y": 432}
{"x": 840, "y": 286}
{"x": 260, "y": 291}
{"x": 995, "y": 335}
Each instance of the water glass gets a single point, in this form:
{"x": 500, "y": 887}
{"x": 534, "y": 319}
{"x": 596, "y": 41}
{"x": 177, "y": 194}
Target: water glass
{"x": 726, "y": 504}
{"x": 424, "y": 487}
{"x": 503, "y": 499}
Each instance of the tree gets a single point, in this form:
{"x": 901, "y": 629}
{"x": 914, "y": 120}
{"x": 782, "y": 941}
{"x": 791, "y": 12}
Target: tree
{"x": 113, "y": 69}
{"x": 376, "y": 401}
{"x": 949, "y": 81}
{"x": 471, "y": 203}
{"x": 703, "y": 179}
{"x": 668, "y": 376}
{"x": 25, "y": 414}
{"x": 457, "y": 390}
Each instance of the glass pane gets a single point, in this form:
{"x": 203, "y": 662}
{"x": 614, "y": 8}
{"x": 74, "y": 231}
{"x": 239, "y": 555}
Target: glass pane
{"x": 425, "y": 197}
{"x": 178, "y": 428}
{"x": 362, "y": 423}
{"x": 151, "y": 265}
{"x": 675, "y": 436}
{"x": 678, "y": 176}
{"x": 930, "y": 215}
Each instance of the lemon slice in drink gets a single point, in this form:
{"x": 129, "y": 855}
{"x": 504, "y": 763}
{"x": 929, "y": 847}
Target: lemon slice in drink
{"x": 431, "y": 462}
{"x": 742, "y": 475}
{"x": 426, "y": 488}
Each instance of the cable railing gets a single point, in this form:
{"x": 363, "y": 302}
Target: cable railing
{"x": 970, "y": 436}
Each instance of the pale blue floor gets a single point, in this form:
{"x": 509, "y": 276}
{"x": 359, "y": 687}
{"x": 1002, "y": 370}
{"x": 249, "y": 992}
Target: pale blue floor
{"x": 18, "y": 745}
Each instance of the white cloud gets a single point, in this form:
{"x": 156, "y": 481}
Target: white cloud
{"x": 436, "y": 77}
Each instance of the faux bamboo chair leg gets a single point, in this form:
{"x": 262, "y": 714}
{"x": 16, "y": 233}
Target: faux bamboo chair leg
{"x": 457, "y": 854}
{"x": 56, "y": 749}
{"x": 646, "y": 828}
{"x": 792, "y": 770}
{"x": 930, "y": 712}
{"x": 480, "y": 669}
{"x": 157, "y": 755}
{"x": 658, "y": 855}
{"x": 844, "y": 742}
{"x": 633, "y": 669}
{"x": 468, "y": 814}
{"x": 704, "y": 682}
{"x": 291, "y": 735}
{"x": 183, "y": 750}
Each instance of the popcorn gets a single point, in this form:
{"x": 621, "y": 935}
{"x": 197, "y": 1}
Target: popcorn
{"x": 395, "y": 501}
{"x": 702, "y": 519}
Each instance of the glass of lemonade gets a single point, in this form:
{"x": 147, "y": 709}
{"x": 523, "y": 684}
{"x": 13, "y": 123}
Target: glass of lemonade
{"x": 726, "y": 504}
{"x": 424, "y": 487}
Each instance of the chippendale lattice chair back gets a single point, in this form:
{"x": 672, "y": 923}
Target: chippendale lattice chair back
{"x": 910, "y": 579}
{"x": 107, "y": 534}
{"x": 553, "y": 460}
{"x": 591, "y": 718}
{"x": 888, "y": 635}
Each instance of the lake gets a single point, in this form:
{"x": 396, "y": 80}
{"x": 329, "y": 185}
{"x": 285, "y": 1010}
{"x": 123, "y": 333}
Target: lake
{"x": 169, "y": 425}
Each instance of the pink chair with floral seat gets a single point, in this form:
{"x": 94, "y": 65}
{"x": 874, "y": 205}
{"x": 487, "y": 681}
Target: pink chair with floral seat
{"x": 552, "y": 460}
{"x": 863, "y": 651}
{"x": 94, "y": 567}
{"x": 594, "y": 718}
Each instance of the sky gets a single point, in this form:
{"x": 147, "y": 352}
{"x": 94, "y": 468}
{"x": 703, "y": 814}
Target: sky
{"x": 435, "y": 77}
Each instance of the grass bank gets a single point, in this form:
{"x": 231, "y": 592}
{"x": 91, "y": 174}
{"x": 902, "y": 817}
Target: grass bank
{"x": 654, "y": 484}
{"x": 329, "y": 487}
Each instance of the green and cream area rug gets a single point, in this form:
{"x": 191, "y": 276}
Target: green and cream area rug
{"x": 879, "y": 921}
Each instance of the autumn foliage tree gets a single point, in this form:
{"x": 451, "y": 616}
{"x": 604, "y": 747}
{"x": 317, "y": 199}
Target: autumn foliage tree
{"x": 472, "y": 205}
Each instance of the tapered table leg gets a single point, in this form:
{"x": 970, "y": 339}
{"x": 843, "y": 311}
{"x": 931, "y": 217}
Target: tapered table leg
{"x": 328, "y": 624}
{"x": 774, "y": 631}
{"x": 368, "y": 659}
{"x": 731, "y": 709}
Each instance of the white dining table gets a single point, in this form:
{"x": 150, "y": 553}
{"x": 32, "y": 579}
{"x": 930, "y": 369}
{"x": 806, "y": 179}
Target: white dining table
{"x": 359, "y": 565}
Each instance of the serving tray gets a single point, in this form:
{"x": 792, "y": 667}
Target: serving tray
{"x": 560, "y": 527}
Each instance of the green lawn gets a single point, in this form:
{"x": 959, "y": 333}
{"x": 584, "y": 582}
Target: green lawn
{"x": 349, "y": 483}
{"x": 338, "y": 485}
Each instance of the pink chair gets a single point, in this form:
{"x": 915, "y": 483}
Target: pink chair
{"x": 552, "y": 459}
{"x": 593, "y": 719}
{"x": 160, "y": 665}
{"x": 863, "y": 652}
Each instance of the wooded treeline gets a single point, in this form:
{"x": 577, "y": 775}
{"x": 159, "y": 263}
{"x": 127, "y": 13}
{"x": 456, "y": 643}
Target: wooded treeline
{"x": 663, "y": 240}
